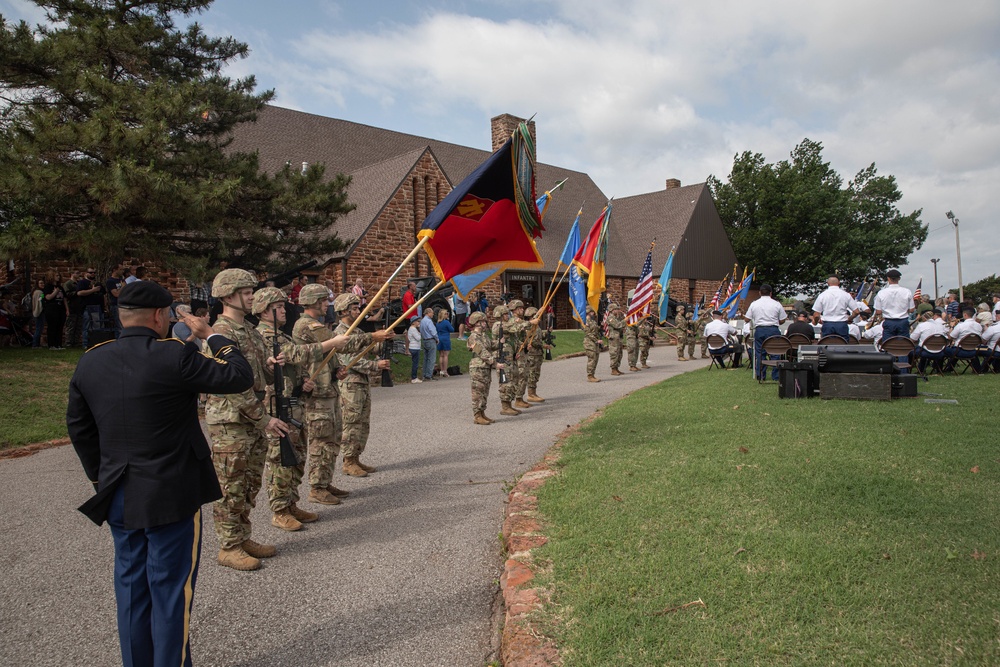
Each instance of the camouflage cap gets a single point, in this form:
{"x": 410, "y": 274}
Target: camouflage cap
{"x": 263, "y": 298}
{"x": 613, "y": 305}
{"x": 680, "y": 308}
{"x": 230, "y": 280}
{"x": 528, "y": 312}
{"x": 500, "y": 311}
{"x": 344, "y": 302}
{"x": 516, "y": 303}
{"x": 476, "y": 317}
{"x": 313, "y": 293}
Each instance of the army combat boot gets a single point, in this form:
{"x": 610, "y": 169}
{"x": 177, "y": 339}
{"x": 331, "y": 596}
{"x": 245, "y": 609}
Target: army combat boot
{"x": 481, "y": 419}
{"x": 634, "y": 369}
{"x": 366, "y": 468}
{"x": 615, "y": 371}
{"x": 258, "y": 550}
{"x": 304, "y": 516}
{"x": 507, "y": 409}
{"x": 340, "y": 493}
{"x": 534, "y": 398}
{"x": 238, "y": 559}
{"x": 284, "y": 520}
{"x": 351, "y": 467}
{"x": 323, "y": 497}
{"x": 591, "y": 378}
{"x": 521, "y": 404}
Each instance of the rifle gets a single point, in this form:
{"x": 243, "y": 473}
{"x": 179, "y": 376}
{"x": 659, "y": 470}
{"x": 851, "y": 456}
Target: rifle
{"x": 285, "y": 277}
{"x": 501, "y": 357}
{"x": 387, "y": 354}
{"x": 282, "y": 405}
{"x": 550, "y": 340}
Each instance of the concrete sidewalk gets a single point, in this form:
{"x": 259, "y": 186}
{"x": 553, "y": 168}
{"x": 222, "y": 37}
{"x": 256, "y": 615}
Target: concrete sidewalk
{"x": 404, "y": 572}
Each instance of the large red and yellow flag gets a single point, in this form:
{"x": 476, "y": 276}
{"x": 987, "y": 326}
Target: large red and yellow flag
{"x": 489, "y": 219}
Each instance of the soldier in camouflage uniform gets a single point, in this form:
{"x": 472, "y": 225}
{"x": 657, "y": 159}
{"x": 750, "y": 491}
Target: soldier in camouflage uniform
{"x": 645, "y": 339}
{"x": 536, "y": 355}
{"x": 632, "y": 345}
{"x": 503, "y": 349}
{"x": 483, "y": 359}
{"x": 355, "y": 390}
{"x": 237, "y": 425}
{"x": 283, "y": 482}
{"x": 516, "y": 329}
{"x": 592, "y": 343}
{"x": 703, "y": 319}
{"x": 684, "y": 337}
{"x": 615, "y": 323}
{"x": 322, "y": 404}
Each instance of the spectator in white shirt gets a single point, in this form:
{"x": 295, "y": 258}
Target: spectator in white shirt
{"x": 967, "y": 326}
{"x": 836, "y": 307}
{"x": 764, "y": 314}
{"x": 894, "y": 304}
{"x": 720, "y": 327}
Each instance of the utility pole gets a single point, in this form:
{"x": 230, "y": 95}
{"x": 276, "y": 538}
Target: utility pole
{"x": 934, "y": 262}
{"x": 958, "y": 254}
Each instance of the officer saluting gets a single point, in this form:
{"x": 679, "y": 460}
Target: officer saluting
{"x": 133, "y": 420}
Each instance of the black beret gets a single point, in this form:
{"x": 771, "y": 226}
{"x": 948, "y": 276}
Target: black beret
{"x": 144, "y": 294}
{"x": 894, "y": 274}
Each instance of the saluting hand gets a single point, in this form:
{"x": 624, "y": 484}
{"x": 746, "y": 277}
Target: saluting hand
{"x": 197, "y": 325}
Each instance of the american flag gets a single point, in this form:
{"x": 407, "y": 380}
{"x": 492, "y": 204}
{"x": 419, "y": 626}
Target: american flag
{"x": 717, "y": 299}
{"x": 643, "y": 294}
{"x": 918, "y": 293}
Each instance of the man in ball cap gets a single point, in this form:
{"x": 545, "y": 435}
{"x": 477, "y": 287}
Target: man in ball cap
{"x": 322, "y": 404}
{"x": 355, "y": 390}
{"x": 894, "y": 304}
{"x": 283, "y": 481}
{"x": 133, "y": 420}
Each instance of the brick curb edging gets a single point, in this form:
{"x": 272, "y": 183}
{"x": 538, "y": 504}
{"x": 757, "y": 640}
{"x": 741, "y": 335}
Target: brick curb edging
{"x": 28, "y": 450}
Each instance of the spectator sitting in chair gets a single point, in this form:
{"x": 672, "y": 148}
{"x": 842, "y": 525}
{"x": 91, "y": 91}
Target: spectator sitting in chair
{"x": 967, "y": 326}
{"x": 720, "y": 327}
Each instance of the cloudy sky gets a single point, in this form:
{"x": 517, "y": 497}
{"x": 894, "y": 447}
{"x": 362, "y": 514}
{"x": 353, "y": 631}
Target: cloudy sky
{"x": 638, "y": 91}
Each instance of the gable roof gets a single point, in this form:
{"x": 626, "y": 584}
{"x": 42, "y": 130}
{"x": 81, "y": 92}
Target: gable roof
{"x": 379, "y": 160}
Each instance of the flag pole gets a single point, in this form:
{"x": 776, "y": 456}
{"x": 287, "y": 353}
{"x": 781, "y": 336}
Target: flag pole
{"x": 372, "y": 302}
{"x": 398, "y": 321}
{"x": 541, "y": 310}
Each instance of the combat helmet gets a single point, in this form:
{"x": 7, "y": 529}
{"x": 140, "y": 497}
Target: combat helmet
{"x": 531, "y": 311}
{"x": 313, "y": 293}
{"x": 263, "y": 298}
{"x": 500, "y": 311}
{"x": 515, "y": 304}
{"x": 344, "y": 302}
{"x": 230, "y": 280}
{"x": 476, "y": 317}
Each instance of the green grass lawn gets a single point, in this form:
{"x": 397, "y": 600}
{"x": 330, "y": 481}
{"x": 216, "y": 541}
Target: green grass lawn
{"x": 35, "y": 384}
{"x": 813, "y": 532}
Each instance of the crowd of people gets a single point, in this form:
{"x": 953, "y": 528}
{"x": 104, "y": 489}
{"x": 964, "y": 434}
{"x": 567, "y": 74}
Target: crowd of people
{"x": 960, "y": 331}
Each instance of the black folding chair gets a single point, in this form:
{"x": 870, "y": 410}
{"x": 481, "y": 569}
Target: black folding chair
{"x": 932, "y": 350}
{"x": 900, "y": 347}
{"x": 775, "y": 351}
{"x": 969, "y": 343}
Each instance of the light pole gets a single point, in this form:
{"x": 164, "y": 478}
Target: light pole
{"x": 958, "y": 253}
{"x": 934, "y": 262}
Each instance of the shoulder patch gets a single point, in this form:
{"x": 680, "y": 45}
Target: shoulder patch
{"x": 316, "y": 325}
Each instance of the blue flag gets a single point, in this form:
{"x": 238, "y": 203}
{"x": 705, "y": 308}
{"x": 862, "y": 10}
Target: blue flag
{"x": 572, "y": 242}
{"x": 665, "y": 287}
{"x": 578, "y": 295}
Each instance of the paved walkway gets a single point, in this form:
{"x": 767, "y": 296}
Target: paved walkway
{"x": 403, "y": 573}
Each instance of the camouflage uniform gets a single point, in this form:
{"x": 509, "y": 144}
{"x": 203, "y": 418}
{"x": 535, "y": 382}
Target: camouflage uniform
{"x": 592, "y": 342}
{"x": 283, "y": 482}
{"x": 616, "y": 327}
{"x": 514, "y": 330}
{"x": 480, "y": 367}
{"x": 536, "y": 355}
{"x": 703, "y": 320}
{"x": 236, "y": 424}
{"x": 632, "y": 345}
{"x": 684, "y": 337}
{"x": 507, "y": 389}
{"x": 645, "y": 334}
{"x": 355, "y": 397}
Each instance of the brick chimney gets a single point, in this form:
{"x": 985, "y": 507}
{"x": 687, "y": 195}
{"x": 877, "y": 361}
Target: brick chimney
{"x": 503, "y": 126}
{"x": 673, "y": 183}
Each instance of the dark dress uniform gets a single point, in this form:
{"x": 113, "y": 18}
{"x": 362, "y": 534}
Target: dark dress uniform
{"x": 133, "y": 420}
